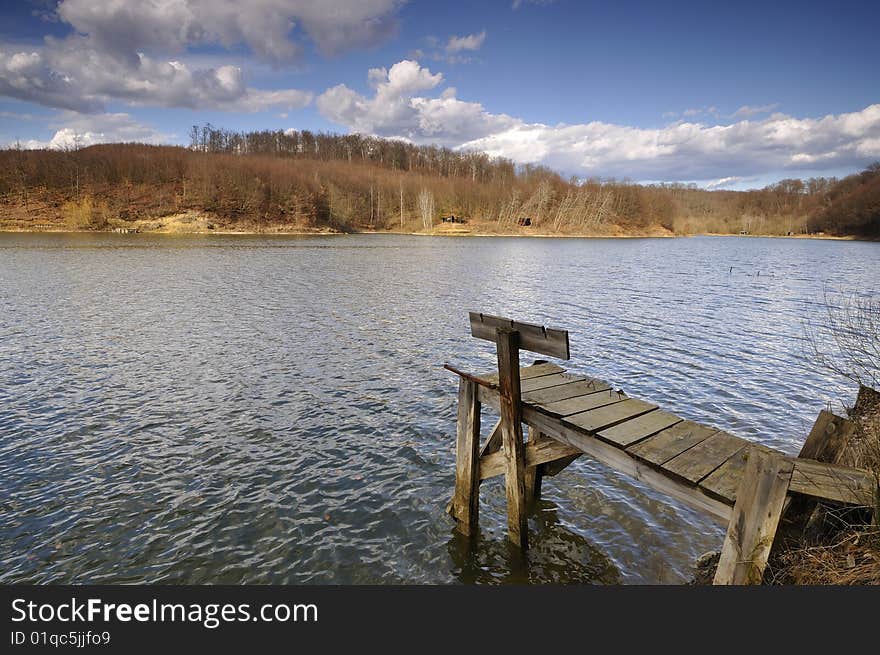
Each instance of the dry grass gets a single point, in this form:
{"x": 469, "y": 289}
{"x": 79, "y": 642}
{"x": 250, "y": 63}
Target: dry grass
{"x": 846, "y": 550}
{"x": 853, "y": 559}
{"x": 86, "y": 214}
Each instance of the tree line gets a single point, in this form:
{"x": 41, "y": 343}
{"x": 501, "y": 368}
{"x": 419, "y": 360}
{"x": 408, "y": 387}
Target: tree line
{"x": 354, "y": 182}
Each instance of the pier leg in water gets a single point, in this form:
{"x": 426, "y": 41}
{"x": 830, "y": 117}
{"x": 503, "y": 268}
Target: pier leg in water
{"x": 511, "y": 435}
{"x": 534, "y": 474}
{"x": 466, "y": 500}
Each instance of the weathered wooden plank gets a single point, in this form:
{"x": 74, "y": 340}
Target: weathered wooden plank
{"x": 466, "y": 498}
{"x": 534, "y": 472}
{"x": 595, "y": 420}
{"x": 619, "y": 460}
{"x": 507, "y": 341}
{"x": 754, "y": 520}
{"x": 526, "y": 372}
{"x": 583, "y": 403}
{"x": 534, "y": 338}
{"x": 724, "y": 481}
{"x": 833, "y": 482}
{"x": 493, "y": 441}
{"x": 615, "y": 458}
{"x": 825, "y": 443}
{"x": 535, "y": 453}
{"x": 546, "y": 381}
{"x": 828, "y": 438}
{"x": 671, "y": 442}
{"x": 641, "y": 427}
{"x": 557, "y": 466}
{"x": 565, "y": 391}
{"x": 696, "y": 463}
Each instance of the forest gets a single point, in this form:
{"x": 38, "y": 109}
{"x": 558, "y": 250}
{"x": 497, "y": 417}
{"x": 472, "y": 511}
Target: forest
{"x": 299, "y": 180}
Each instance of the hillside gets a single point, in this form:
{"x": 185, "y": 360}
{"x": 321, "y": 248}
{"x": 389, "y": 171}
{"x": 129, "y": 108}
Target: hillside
{"x": 299, "y": 181}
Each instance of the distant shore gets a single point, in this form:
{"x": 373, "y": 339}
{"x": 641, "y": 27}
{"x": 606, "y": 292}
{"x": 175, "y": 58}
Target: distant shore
{"x": 437, "y": 232}
{"x": 200, "y": 222}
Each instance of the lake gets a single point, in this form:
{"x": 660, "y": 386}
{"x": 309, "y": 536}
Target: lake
{"x": 250, "y": 409}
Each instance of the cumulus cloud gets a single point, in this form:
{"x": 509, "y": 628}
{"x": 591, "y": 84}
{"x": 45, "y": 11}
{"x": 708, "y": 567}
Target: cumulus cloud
{"x": 73, "y": 74}
{"x": 457, "y": 44}
{"x": 406, "y": 105}
{"x": 273, "y": 29}
{"x": 397, "y": 110}
{"x": 74, "y": 130}
{"x": 119, "y": 51}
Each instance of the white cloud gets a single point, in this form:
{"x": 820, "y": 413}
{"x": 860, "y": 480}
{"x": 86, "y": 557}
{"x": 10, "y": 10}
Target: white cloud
{"x": 682, "y": 150}
{"x": 73, "y": 74}
{"x": 519, "y": 3}
{"x": 748, "y": 111}
{"x": 74, "y": 130}
{"x": 396, "y": 109}
{"x": 471, "y": 42}
{"x": 273, "y": 29}
{"x": 723, "y": 182}
{"x": 120, "y": 50}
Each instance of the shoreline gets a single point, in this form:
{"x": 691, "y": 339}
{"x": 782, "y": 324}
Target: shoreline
{"x": 422, "y": 233}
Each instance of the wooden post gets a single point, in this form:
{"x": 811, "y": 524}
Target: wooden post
{"x": 466, "y": 499}
{"x": 825, "y": 443}
{"x": 534, "y": 474}
{"x": 507, "y": 342}
{"x": 752, "y": 528}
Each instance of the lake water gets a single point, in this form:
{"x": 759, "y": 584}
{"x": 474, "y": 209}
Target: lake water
{"x": 235, "y": 409}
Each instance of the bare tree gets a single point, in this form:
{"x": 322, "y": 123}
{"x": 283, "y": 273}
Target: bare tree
{"x": 426, "y": 208}
{"x": 847, "y": 341}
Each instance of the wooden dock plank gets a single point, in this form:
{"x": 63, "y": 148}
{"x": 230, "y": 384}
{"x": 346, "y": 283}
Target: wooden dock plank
{"x": 621, "y": 461}
{"x": 545, "y": 381}
{"x": 833, "y": 482}
{"x": 565, "y": 391}
{"x": 604, "y": 417}
{"x": 582, "y": 403}
{"x": 526, "y": 372}
{"x": 725, "y": 480}
{"x": 671, "y": 442}
{"x": 641, "y": 427}
{"x": 696, "y": 463}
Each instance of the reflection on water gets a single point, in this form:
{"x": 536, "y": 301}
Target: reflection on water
{"x": 556, "y": 555}
{"x": 273, "y": 409}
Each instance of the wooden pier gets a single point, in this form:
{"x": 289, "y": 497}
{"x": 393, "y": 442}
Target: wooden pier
{"x": 745, "y": 485}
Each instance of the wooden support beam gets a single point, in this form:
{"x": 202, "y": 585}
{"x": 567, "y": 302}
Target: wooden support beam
{"x": 557, "y": 466}
{"x": 507, "y": 342}
{"x": 759, "y": 502}
{"x": 492, "y": 445}
{"x": 825, "y": 443}
{"x": 493, "y": 441}
{"x": 534, "y": 473}
{"x": 466, "y": 499}
{"x": 545, "y": 451}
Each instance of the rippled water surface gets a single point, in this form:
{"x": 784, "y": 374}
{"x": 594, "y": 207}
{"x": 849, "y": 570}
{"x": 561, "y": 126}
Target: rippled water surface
{"x": 232, "y": 409}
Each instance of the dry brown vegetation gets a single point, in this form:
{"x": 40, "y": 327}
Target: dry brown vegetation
{"x": 300, "y": 180}
{"x": 841, "y": 545}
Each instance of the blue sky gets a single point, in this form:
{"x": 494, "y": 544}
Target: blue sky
{"x": 728, "y": 95}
